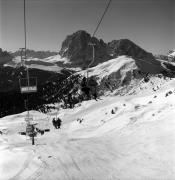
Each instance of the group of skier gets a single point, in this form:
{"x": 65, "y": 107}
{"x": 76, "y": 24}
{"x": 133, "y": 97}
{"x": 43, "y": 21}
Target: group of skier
{"x": 56, "y": 123}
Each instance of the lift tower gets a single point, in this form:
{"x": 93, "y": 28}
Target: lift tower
{"x": 28, "y": 85}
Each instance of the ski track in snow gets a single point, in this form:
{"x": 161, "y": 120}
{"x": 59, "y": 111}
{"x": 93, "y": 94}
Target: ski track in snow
{"x": 136, "y": 142}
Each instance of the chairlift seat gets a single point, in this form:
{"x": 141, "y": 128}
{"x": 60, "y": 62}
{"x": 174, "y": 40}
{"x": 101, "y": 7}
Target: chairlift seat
{"x": 28, "y": 119}
{"x": 28, "y": 85}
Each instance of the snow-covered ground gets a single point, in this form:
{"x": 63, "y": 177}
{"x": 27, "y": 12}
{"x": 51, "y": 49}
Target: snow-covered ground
{"x": 57, "y": 58}
{"x": 131, "y": 137}
{"x": 51, "y": 59}
{"x": 121, "y": 63}
{"x": 53, "y": 68}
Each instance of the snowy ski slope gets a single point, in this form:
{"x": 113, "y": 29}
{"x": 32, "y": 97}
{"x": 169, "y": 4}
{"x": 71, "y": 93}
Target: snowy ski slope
{"x": 137, "y": 141}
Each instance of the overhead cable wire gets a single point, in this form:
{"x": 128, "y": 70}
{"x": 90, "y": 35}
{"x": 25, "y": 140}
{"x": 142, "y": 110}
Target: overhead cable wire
{"x": 96, "y": 29}
{"x": 25, "y": 27}
{"x": 98, "y": 25}
{"x": 25, "y": 48}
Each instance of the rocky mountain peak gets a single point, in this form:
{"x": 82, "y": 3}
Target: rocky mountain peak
{"x": 145, "y": 61}
{"x": 76, "y": 47}
{"x": 127, "y": 47}
{"x": 171, "y": 55}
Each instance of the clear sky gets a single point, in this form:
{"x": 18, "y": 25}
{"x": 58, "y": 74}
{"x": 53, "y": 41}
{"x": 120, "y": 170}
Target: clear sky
{"x": 148, "y": 23}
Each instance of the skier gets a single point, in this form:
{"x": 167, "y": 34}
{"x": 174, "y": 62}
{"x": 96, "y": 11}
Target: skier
{"x": 54, "y": 123}
{"x": 58, "y": 123}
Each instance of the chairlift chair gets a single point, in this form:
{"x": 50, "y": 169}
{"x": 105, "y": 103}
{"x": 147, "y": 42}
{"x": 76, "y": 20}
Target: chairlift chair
{"x": 28, "y": 85}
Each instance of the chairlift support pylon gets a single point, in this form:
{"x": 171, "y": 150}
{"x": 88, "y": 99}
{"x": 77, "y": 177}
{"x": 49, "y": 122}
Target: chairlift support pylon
{"x": 27, "y": 85}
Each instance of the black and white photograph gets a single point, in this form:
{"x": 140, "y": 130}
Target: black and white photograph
{"x": 87, "y": 89}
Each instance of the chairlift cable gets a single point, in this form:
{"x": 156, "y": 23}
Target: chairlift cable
{"x": 25, "y": 40}
{"x": 25, "y": 46}
{"x": 98, "y": 25}
{"x": 96, "y": 29}
{"x": 25, "y": 27}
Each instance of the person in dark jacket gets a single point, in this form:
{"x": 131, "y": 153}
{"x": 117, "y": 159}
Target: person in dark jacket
{"x": 58, "y": 123}
{"x": 54, "y": 123}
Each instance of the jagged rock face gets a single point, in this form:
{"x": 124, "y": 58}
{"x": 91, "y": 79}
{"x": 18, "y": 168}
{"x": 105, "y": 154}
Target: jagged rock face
{"x": 127, "y": 47}
{"x": 145, "y": 61}
{"x": 76, "y": 48}
{"x": 171, "y": 55}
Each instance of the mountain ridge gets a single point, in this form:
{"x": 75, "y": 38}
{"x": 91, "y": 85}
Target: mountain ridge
{"x": 130, "y": 65}
{"x": 76, "y": 47}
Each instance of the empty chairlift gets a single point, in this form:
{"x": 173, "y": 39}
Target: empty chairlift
{"x": 28, "y": 85}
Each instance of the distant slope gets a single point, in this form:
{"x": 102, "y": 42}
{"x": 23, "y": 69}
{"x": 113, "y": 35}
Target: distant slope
{"x": 35, "y": 54}
{"x": 125, "y": 75}
{"x": 52, "y": 63}
{"x": 121, "y": 65}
